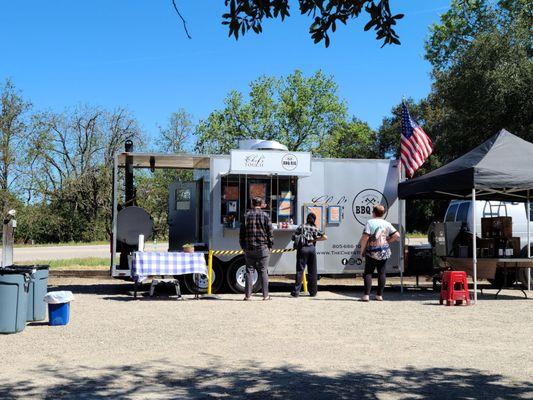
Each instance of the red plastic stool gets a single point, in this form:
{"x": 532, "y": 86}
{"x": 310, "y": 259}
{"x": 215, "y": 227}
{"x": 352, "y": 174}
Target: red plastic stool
{"x": 454, "y": 288}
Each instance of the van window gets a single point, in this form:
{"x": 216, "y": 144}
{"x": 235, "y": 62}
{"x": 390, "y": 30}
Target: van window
{"x": 462, "y": 212}
{"x": 450, "y": 214}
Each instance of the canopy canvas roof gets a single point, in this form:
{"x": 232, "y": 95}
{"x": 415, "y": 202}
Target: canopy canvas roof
{"x": 499, "y": 169}
{"x": 176, "y": 161}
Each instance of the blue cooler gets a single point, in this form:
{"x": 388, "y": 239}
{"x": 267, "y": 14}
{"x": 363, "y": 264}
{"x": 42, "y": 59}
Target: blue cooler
{"x": 14, "y": 288}
{"x": 58, "y": 307}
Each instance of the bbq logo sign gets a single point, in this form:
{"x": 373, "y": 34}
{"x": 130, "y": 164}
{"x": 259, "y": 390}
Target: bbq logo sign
{"x": 289, "y": 162}
{"x": 363, "y": 203}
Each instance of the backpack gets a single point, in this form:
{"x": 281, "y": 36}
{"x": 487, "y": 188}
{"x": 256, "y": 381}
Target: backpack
{"x": 378, "y": 248}
{"x": 299, "y": 239}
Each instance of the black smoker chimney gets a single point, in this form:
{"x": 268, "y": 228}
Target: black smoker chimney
{"x": 128, "y": 175}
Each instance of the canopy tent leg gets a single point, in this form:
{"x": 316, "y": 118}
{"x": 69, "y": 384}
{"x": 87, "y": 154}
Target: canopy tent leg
{"x": 474, "y": 244}
{"x": 402, "y": 240}
{"x": 528, "y": 212}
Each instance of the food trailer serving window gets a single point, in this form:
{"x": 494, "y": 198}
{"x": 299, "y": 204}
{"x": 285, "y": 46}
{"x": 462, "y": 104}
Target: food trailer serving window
{"x": 278, "y": 192}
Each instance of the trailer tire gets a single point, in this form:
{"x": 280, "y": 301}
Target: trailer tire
{"x": 235, "y": 276}
{"x": 197, "y": 283}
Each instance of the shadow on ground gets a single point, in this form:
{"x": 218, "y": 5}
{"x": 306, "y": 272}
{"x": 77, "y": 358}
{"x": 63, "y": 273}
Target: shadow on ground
{"x": 123, "y": 291}
{"x": 164, "y": 380}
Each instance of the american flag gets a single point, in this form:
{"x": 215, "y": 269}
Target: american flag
{"x": 415, "y": 146}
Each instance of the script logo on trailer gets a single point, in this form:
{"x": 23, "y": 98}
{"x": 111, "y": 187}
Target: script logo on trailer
{"x": 364, "y": 202}
{"x": 254, "y": 161}
{"x": 289, "y": 162}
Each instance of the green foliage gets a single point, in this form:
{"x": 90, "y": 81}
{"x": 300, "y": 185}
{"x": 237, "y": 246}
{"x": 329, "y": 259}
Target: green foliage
{"x": 70, "y": 173}
{"x": 296, "y": 111}
{"x": 351, "y": 139}
{"x": 483, "y": 69}
{"x": 457, "y": 27}
{"x": 176, "y": 136}
{"x": 482, "y": 58}
{"x": 13, "y": 131}
{"x": 245, "y": 15}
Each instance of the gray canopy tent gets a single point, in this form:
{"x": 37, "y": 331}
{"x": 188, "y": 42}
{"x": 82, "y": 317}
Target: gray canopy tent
{"x": 499, "y": 169}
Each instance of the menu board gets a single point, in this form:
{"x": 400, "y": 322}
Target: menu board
{"x": 318, "y": 210}
{"x": 334, "y": 214}
{"x": 231, "y": 193}
{"x": 285, "y": 204}
{"x": 232, "y": 206}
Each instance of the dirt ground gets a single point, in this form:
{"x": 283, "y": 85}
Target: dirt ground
{"x": 329, "y": 347}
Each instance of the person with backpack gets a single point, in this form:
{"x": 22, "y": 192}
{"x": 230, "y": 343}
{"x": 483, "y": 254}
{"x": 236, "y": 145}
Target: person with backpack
{"x": 305, "y": 239}
{"x": 374, "y": 245}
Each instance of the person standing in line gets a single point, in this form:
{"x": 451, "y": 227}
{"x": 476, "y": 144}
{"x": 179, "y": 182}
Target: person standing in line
{"x": 374, "y": 245}
{"x": 256, "y": 240}
{"x": 308, "y": 234}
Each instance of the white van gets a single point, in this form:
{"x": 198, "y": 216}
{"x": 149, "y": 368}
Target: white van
{"x": 461, "y": 211}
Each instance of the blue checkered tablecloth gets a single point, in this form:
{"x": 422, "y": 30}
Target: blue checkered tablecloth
{"x": 150, "y": 263}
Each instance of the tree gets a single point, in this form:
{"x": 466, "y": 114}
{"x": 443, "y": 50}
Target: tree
{"x": 13, "y": 145}
{"x": 481, "y": 54}
{"x": 177, "y": 135}
{"x": 350, "y": 139}
{"x": 296, "y": 111}
{"x": 456, "y": 30}
{"x": 74, "y": 152}
{"x": 482, "y": 57}
{"x": 246, "y": 15}
{"x": 152, "y": 187}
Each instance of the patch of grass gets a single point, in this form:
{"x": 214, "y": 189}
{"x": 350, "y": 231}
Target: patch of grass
{"x": 94, "y": 243}
{"x": 414, "y": 235}
{"x": 97, "y": 242}
{"x": 76, "y": 263}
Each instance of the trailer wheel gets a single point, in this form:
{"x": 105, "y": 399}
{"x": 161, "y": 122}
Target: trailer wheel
{"x": 236, "y": 275}
{"x": 197, "y": 283}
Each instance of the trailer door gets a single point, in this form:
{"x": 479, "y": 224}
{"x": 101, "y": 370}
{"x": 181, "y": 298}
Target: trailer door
{"x": 183, "y": 214}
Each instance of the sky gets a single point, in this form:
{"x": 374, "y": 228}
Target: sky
{"x": 135, "y": 53}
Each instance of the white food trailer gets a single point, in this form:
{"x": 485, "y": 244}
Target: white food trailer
{"x": 209, "y": 210}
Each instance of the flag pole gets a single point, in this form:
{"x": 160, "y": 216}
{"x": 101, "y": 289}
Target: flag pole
{"x": 401, "y": 220}
{"x": 401, "y": 212}
{"x": 415, "y": 149}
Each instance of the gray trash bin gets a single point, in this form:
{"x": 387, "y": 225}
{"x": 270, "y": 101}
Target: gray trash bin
{"x": 38, "y": 289}
{"x": 14, "y": 288}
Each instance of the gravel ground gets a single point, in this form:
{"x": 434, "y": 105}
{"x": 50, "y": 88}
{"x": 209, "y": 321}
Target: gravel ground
{"x": 328, "y": 347}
